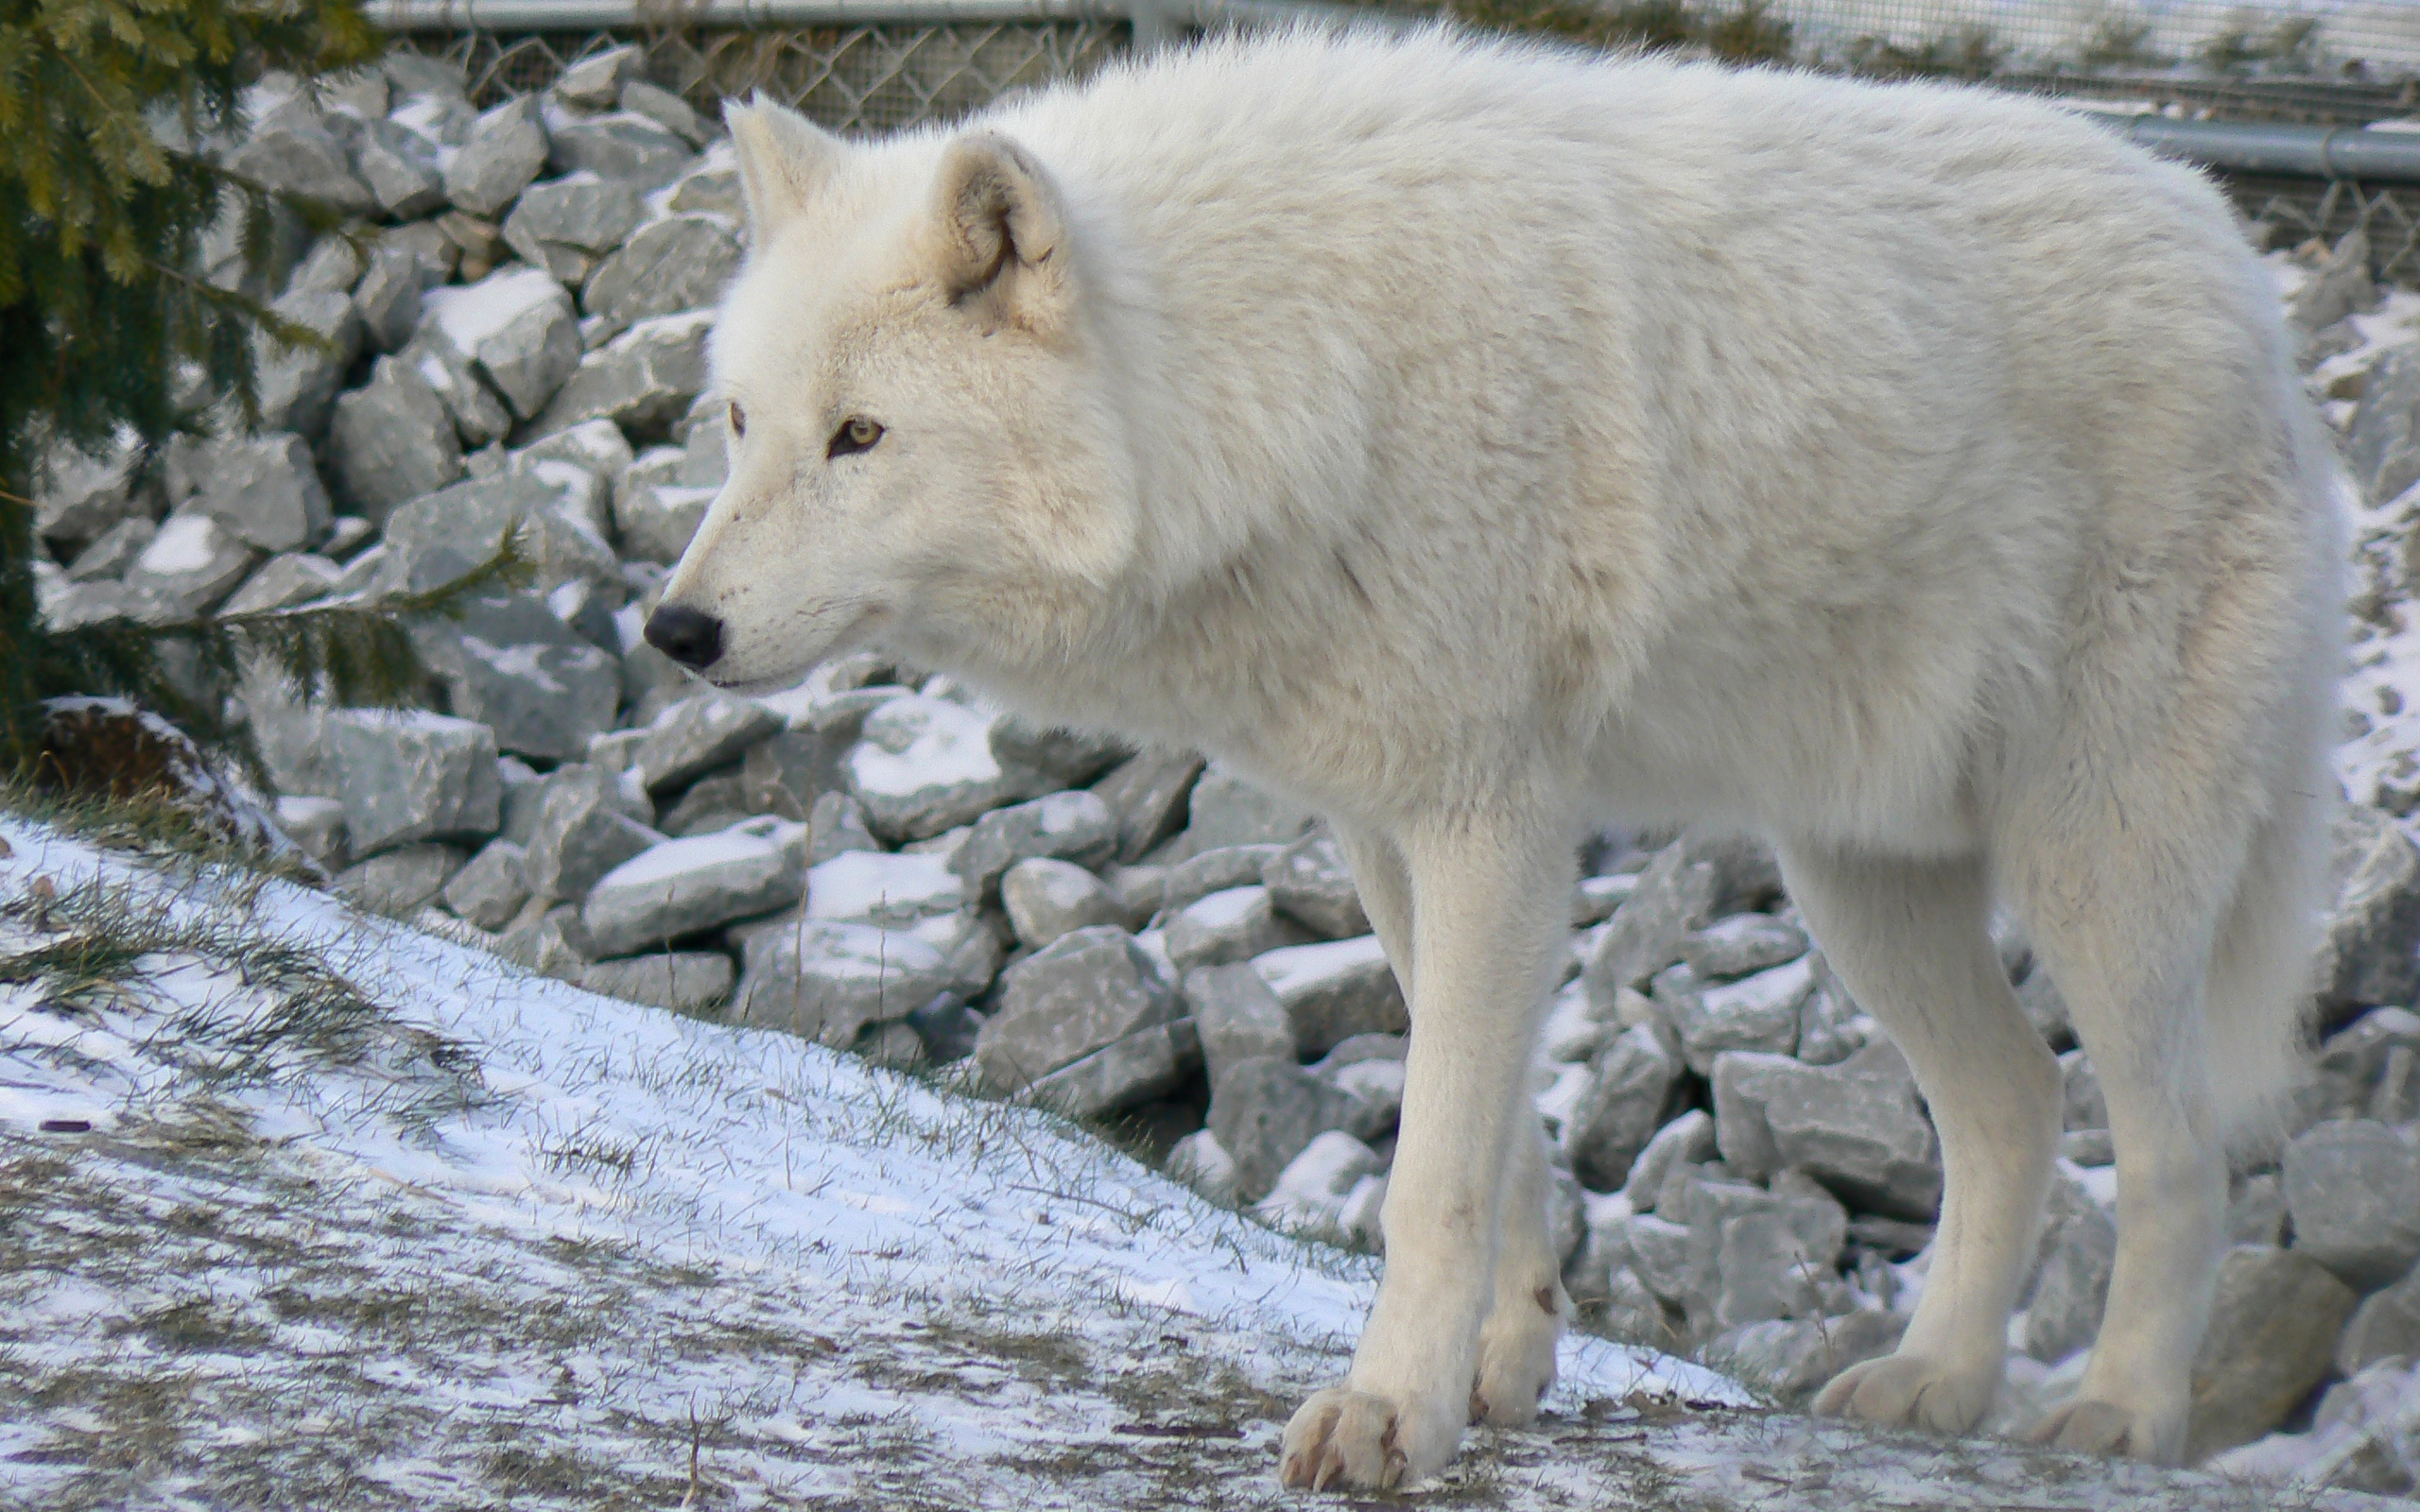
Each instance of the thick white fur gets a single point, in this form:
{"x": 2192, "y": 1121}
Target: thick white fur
{"x": 1482, "y": 443}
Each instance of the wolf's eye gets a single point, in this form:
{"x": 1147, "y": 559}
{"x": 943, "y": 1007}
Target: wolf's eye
{"x": 856, "y": 434}
{"x": 738, "y": 420}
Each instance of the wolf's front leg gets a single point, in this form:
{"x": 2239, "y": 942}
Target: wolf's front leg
{"x": 1488, "y": 896}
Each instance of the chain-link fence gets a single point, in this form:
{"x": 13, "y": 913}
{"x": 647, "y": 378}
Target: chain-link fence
{"x": 2337, "y": 62}
{"x": 2310, "y": 40}
{"x": 862, "y": 78}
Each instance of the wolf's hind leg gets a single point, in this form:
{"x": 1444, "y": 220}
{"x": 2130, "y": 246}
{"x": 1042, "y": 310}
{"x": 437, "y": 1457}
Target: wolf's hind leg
{"x": 1911, "y": 941}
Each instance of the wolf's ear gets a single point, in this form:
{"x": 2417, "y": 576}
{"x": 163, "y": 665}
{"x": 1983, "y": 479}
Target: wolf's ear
{"x": 783, "y": 159}
{"x": 1000, "y": 234}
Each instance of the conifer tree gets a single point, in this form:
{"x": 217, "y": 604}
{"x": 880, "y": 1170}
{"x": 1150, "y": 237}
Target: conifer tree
{"x": 108, "y": 109}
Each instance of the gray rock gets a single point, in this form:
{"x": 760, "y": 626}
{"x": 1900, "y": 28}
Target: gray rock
{"x": 2085, "y": 1107}
{"x": 1309, "y": 882}
{"x": 2368, "y": 955}
{"x": 2272, "y": 1327}
{"x": 439, "y": 538}
{"x": 265, "y": 490}
{"x": 2341, "y": 285}
{"x": 1760, "y": 1013}
{"x": 581, "y": 210}
{"x": 516, "y": 327}
{"x": 2353, "y": 1188}
{"x": 115, "y": 551}
{"x": 708, "y": 186}
{"x": 622, "y": 146}
{"x": 2385, "y": 1326}
{"x": 1146, "y": 1065}
{"x": 400, "y": 167}
{"x": 548, "y": 940}
{"x": 2383, "y": 442}
{"x": 1688, "y": 1139}
{"x": 391, "y": 440}
{"x": 595, "y": 81}
{"x": 684, "y": 887}
{"x": 506, "y": 149}
{"x": 1674, "y": 897}
{"x": 1082, "y": 993}
{"x": 714, "y": 802}
{"x": 282, "y": 582}
{"x": 1830, "y": 1029}
{"x": 1070, "y": 756}
{"x": 2081, "y": 1252}
{"x": 1214, "y": 870}
{"x": 836, "y": 824}
{"x": 640, "y": 379}
{"x": 827, "y": 980}
{"x": 71, "y": 605}
{"x": 1757, "y": 1255}
{"x": 2349, "y": 1074}
{"x": 579, "y": 836}
{"x": 696, "y": 736}
{"x": 478, "y": 414}
{"x": 84, "y": 495}
{"x": 1230, "y": 925}
{"x": 1741, "y": 945}
{"x": 1228, "y": 809}
{"x": 298, "y": 383}
{"x": 508, "y": 662}
{"x": 317, "y": 825}
{"x": 787, "y": 771}
{"x": 1856, "y": 1126}
{"x": 292, "y": 150}
{"x": 400, "y": 883}
{"x": 1793, "y": 1359}
{"x": 2257, "y": 1210}
{"x": 1625, "y": 1102}
{"x": 1310, "y": 1195}
{"x": 1376, "y": 1087}
{"x": 656, "y": 521}
{"x": 1266, "y": 1111}
{"x": 678, "y": 981}
{"x": 1151, "y": 796}
{"x": 895, "y": 891}
{"x": 192, "y": 563}
{"x": 489, "y": 891}
{"x": 1237, "y": 1017}
{"x": 404, "y": 775}
{"x": 1049, "y": 898}
{"x": 1334, "y": 990}
{"x": 1074, "y": 827}
{"x": 665, "y": 110}
{"x": 925, "y": 765}
{"x": 679, "y": 262}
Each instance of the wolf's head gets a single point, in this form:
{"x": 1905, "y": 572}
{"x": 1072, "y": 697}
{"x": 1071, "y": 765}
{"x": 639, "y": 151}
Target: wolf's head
{"x": 924, "y": 446}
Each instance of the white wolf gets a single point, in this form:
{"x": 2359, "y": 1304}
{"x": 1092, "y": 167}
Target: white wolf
{"x": 1479, "y": 441}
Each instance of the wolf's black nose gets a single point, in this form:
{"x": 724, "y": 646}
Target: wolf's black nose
{"x": 687, "y": 636}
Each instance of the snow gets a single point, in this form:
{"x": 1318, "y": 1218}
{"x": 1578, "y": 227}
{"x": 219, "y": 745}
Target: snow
{"x": 1300, "y": 968}
{"x": 1219, "y": 909}
{"x": 470, "y": 314}
{"x": 917, "y": 744}
{"x": 188, "y": 543}
{"x": 882, "y": 888}
{"x": 687, "y": 857}
{"x": 505, "y": 1223}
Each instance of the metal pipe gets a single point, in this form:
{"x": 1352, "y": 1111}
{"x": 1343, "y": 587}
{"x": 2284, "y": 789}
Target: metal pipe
{"x": 2292, "y": 151}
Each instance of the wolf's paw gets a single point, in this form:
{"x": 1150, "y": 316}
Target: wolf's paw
{"x": 2088, "y": 1426}
{"x": 1516, "y": 1358}
{"x": 1911, "y": 1391}
{"x": 1359, "y": 1439}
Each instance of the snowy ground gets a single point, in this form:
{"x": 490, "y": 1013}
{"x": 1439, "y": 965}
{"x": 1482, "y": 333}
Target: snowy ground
{"x": 302, "y": 1207}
